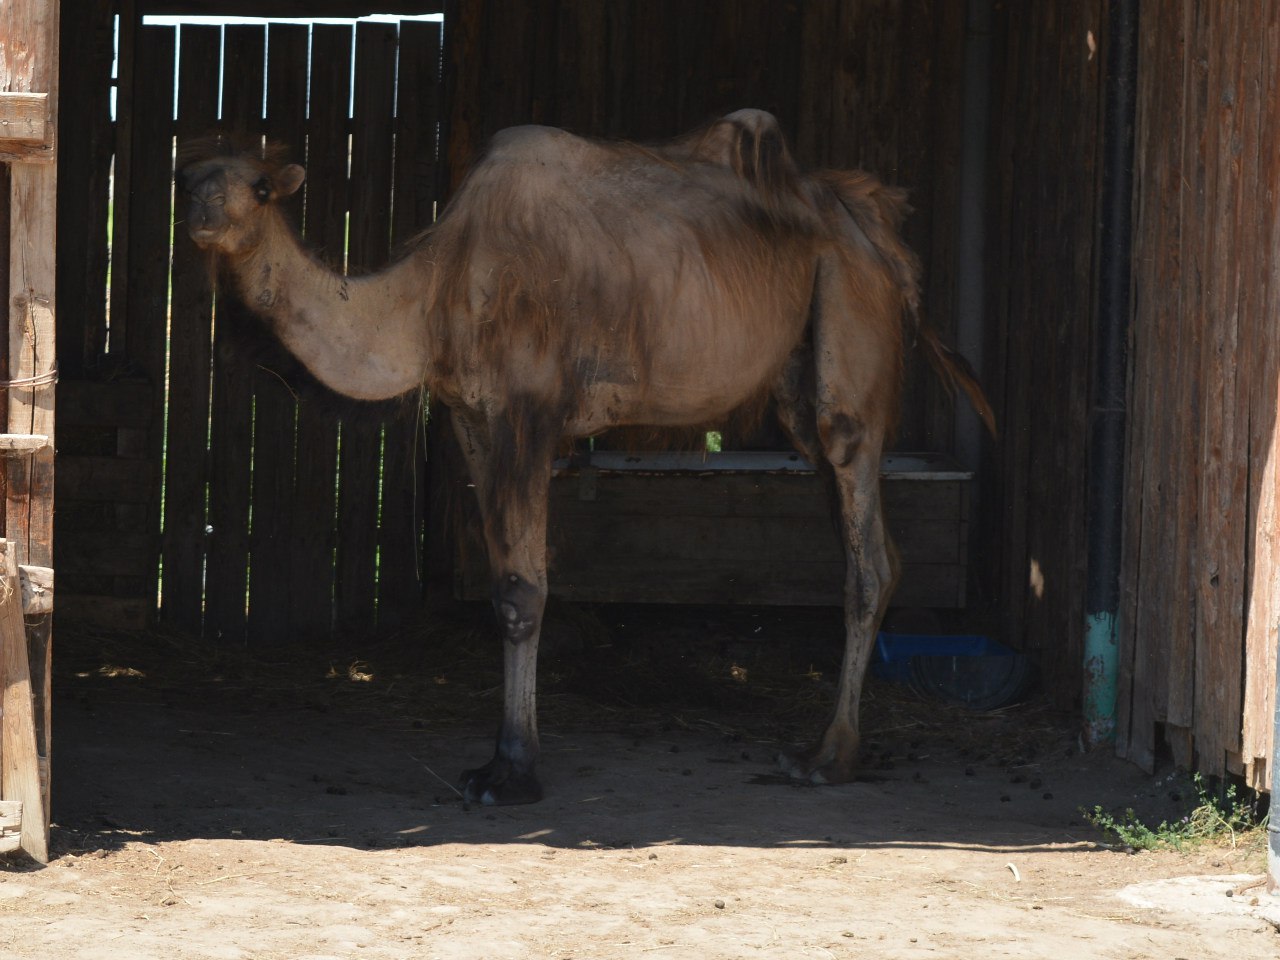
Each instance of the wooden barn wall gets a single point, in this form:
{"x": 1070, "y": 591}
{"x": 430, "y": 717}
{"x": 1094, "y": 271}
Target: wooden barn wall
{"x": 1043, "y": 169}
{"x": 277, "y": 520}
{"x": 1200, "y": 592}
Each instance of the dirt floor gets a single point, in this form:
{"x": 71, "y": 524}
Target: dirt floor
{"x": 299, "y": 806}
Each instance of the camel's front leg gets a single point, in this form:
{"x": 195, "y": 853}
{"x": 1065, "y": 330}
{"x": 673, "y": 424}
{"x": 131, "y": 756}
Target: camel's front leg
{"x": 513, "y": 504}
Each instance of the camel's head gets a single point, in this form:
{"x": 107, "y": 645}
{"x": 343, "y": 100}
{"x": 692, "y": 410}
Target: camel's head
{"x": 232, "y": 192}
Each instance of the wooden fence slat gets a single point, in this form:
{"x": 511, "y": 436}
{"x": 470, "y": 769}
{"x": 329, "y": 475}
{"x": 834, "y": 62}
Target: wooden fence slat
{"x": 404, "y": 453}
{"x": 814, "y": 118}
{"x": 84, "y": 166}
{"x": 361, "y": 446}
{"x": 1223, "y": 449}
{"x": 583, "y": 94}
{"x": 182, "y": 596}
{"x": 1158, "y": 189}
{"x": 231, "y": 430}
{"x": 313, "y": 533}
{"x": 275, "y": 410}
{"x": 140, "y": 241}
{"x": 1170, "y": 636}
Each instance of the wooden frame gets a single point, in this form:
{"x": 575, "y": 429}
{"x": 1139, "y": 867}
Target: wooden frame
{"x": 29, "y": 44}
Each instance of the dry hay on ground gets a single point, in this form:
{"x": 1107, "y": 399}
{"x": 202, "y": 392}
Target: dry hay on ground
{"x": 755, "y": 675}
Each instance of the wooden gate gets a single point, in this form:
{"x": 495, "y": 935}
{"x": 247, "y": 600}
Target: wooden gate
{"x": 276, "y": 516}
{"x": 28, "y": 114}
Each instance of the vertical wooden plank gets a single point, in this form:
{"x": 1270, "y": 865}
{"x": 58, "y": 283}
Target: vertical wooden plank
{"x": 84, "y": 163}
{"x": 19, "y": 754}
{"x": 1044, "y": 184}
{"x": 464, "y": 65}
{"x": 141, "y": 238}
{"x": 312, "y": 512}
{"x": 29, "y": 59}
{"x": 360, "y": 449}
{"x": 583, "y": 93}
{"x": 655, "y": 93}
{"x": 815, "y": 100}
{"x": 1174, "y": 459}
{"x": 404, "y": 454}
{"x": 273, "y": 546}
{"x": 1253, "y": 281}
{"x": 1263, "y": 333}
{"x": 32, "y": 361}
{"x": 1066, "y": 308}
{"x": 1157, "y": 269}
{"x": 29, "y": 64}
{"x": 5, "y": 247}
{"x": 417, "y": 130}
{"x": 190, "y": 334}
{"x": 998, "y": 494}
{"x": 1224, "y": 440}
{"x": 544, "y": 90}
{"x": 231, "y": 428}
{"x": 509, "y": 56}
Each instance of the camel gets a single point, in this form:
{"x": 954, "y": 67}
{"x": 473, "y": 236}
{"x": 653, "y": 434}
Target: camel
{"x": 572, "y": 286}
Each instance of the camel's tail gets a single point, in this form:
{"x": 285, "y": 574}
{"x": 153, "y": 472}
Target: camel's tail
{"x": 878, "y": 212}
{"x": 955, "y": 373}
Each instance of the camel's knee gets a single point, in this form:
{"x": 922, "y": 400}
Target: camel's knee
{"x": 518, "y": 604}
{"x": 843, "y": 437}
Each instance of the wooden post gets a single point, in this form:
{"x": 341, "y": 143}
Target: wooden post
{"x": 28, "y": 79}
{"x": 20, "y": 760}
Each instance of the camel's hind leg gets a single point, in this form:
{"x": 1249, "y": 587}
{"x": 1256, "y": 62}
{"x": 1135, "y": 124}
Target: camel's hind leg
{"x": 512, "y": 490}
{"x": 839, "y": 415}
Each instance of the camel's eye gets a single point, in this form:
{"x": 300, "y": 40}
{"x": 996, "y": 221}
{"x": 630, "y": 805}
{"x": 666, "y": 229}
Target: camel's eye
{"x": 262, "y": 190}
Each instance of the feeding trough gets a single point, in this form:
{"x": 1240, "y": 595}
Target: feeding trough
{"x": 971, "y": 671}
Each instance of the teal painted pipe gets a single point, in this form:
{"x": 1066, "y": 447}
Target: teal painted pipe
{"x": 1101, "y": 665}
{"x": 1107, "y": 414}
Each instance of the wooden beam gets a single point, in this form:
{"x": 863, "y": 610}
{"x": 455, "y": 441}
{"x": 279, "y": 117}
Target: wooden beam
{"x": 285, "y": 8}
{"x": 29, "y": 65}
{"x": 29, "y": 69}
{"x": 20, "y": 762}
{"x": 21, "y": 444}
{"x": 29, "y": 516}
{"x": 24, "y": 118}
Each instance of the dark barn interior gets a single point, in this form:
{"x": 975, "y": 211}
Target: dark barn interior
{"x": 197, "y": 489}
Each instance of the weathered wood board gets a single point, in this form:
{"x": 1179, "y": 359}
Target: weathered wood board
{"x": 23, "y": 762}
{"x": 1200, "y": 584}
{"x": 28, "y": 66}
{"x": 735, "y": 528}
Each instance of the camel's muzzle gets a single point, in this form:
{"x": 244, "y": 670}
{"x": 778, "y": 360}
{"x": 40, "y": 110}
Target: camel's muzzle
{"x": 206, "y": 219}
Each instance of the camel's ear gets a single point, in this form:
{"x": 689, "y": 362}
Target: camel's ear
{"x": 289, "y": 179}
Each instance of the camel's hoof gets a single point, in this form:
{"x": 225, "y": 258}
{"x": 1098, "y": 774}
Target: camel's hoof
{"x": 813, "y": 767}
{"x": 498, "y": 784}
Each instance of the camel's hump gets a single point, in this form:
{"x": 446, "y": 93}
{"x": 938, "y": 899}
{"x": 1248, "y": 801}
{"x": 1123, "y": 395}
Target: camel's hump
{"x": 532, "y": 140}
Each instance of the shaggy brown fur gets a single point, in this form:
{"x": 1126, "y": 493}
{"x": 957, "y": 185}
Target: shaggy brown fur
{"x": 573, "y": 286}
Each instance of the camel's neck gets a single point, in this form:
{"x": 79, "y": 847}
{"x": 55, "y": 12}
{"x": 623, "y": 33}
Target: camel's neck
{"x": 364, "y": 337}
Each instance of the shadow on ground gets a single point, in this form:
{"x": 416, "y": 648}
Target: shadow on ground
{"x": 659, "y": 727}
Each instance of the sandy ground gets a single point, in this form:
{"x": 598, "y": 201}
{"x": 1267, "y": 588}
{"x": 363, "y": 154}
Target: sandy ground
{"x": 215, "y": 813}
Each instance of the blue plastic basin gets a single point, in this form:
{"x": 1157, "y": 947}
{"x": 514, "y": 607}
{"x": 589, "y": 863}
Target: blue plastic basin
{"x": 968, "y": 670}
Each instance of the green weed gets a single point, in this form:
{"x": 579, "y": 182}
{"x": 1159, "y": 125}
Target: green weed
{"x": 1219, "y": 816}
